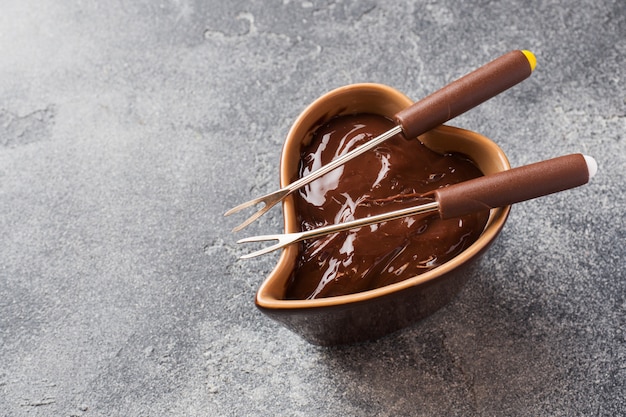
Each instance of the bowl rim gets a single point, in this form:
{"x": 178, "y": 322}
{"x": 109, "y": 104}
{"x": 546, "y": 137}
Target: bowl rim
{"x": 495, "y": 223}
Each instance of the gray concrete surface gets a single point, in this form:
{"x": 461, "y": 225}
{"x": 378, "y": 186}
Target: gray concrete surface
{"x": 127, "y": 128}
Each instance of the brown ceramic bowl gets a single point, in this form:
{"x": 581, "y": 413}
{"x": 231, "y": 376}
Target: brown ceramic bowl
{"x": 372, "y": 314}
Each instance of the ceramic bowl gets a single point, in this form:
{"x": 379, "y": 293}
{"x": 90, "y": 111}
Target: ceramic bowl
{"x": 371, "y": 314}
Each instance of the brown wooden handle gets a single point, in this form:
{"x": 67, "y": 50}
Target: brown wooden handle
{"x": 466, "y": 92}
{"x": 513, "y": 186}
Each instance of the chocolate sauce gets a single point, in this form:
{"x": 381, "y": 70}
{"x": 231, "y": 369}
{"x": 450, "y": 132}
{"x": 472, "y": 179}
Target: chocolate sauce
{"x": 396, "y": 174}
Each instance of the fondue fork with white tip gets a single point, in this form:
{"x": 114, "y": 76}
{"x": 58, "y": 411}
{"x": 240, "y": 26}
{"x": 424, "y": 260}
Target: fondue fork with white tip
{"x": 443, "y": 105}
{"x": 482, "y": 193}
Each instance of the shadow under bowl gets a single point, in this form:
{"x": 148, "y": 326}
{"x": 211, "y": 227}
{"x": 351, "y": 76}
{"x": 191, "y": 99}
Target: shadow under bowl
{"x": 372, "y": 314}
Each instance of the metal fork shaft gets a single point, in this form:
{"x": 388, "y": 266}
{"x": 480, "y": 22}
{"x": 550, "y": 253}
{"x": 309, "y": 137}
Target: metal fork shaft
{"x": 289, "y": 238}
{"x": 336, "y": 163}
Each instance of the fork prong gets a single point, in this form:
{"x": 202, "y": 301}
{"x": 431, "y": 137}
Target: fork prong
{"x": 269, "y": 201}
{"x": 279, "y": 244}
{"x": 283, "y": 240}
{"x": 261, "y": 251}
{"x": 244, "y": 205}
{"x": 260, "y": 238}
{"x": 252, "y": 218}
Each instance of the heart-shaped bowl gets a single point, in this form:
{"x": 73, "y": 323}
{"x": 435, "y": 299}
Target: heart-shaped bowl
{"x": 371, "y": 314}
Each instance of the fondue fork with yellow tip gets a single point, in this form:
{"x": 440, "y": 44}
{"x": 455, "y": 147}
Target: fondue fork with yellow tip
{"x": 482, "y": 193}
{"x": 443, "y": 105}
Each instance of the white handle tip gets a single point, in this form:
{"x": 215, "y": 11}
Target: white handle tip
{"x": 592, "y": 165}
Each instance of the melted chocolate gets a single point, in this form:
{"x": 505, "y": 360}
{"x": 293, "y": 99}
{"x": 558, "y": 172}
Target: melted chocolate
{"x": 394, "y": 175}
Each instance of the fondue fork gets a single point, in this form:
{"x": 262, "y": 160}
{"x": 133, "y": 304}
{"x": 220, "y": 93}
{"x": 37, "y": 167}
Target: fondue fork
{"x": 443, "y": 105}
{"x": 482, "y": 193}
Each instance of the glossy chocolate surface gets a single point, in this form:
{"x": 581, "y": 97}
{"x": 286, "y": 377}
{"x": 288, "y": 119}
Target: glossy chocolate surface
{"x": 397, "y": 174}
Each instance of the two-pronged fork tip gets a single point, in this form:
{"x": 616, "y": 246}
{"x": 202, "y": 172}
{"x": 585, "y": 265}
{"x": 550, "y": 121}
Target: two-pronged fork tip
{"x": 263, "y": 251}
{"x": 268, "y": 202}
{"x": 250, "y": 219}
{"x": 240, "y": 207}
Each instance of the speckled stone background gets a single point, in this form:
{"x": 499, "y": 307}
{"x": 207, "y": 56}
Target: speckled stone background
{"x": 127, "y": 129}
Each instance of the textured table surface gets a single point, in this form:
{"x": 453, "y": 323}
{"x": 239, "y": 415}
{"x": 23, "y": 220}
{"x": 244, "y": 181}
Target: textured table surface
{"x": 127, "y": 129}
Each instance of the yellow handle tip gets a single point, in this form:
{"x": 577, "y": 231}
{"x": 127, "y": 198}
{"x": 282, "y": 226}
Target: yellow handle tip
{"x": 532, "y": 60}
